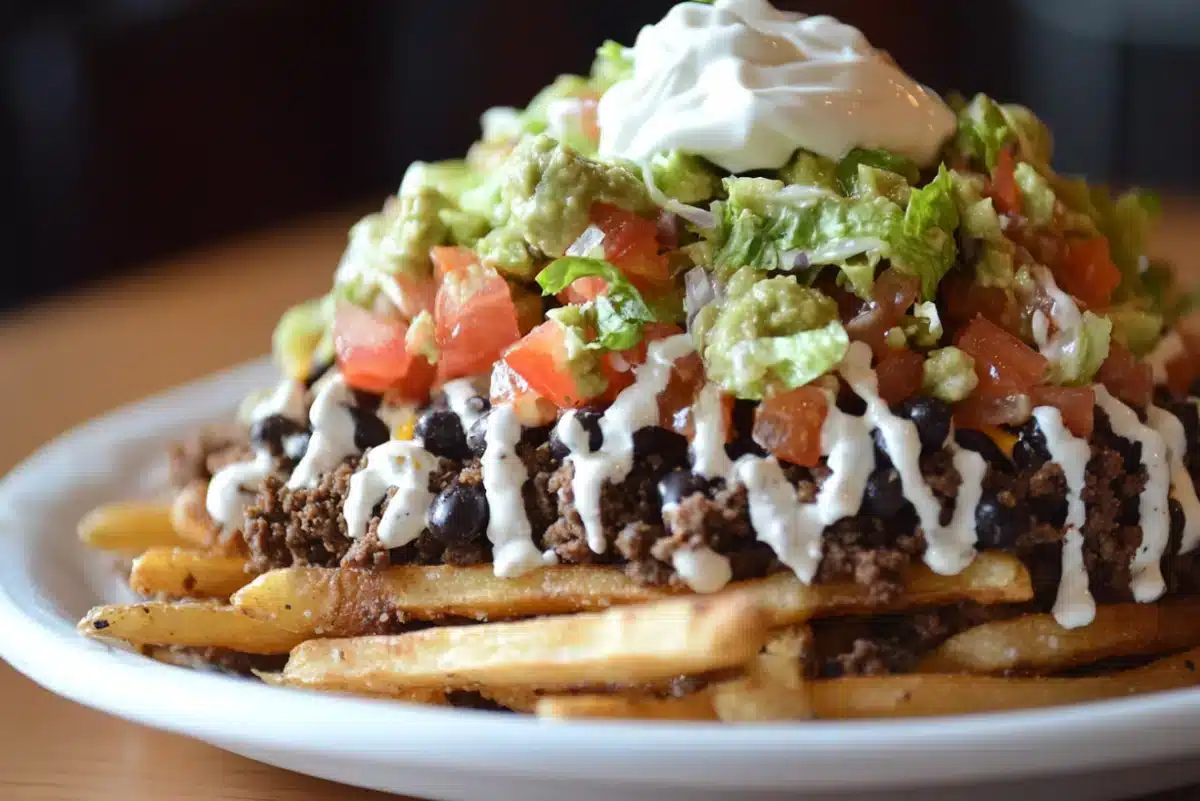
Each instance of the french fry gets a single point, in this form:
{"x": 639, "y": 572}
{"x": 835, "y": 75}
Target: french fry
{"x": 192, "y": 624}
{"x": 345, "y": 602}
{"x": 630, "y": 645}
{"x": 189, "y": 516}
{"x": 414, "y": 695}
{"x": 129, "y": 526}
{"x": 920, "y": 695}
{"x": 698, "y": 706}
{"x": 181, "y": 573}
{"x": 1038, "y": 643}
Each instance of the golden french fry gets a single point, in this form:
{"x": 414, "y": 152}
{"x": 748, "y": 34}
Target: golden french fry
{"x": 189, "y": 516}
{"x": 192, "y": 624}
{"x": 346, "y": 602}
{"x": 697, "y": 706}
{"x": 772, "y": 689}
{"x": 414, "y": 695}
{"x": 181, "y": 573}
{"x": 918, "y": 695}
{"x": 1038, "y": 643}
{"x": 630, "y": 645}
{"x": 129, "y": 526}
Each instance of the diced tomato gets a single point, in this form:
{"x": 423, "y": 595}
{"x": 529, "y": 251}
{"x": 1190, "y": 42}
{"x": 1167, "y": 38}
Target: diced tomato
{"x": 893, "y": 294}
{"x": 1005, "y": 365}
{"x": 631, "y": 244}
{"x": 1077, "y": 405}
{"x": 900, "y": 375}
{"x": 980, "y": 411}
{"x": 1129, "y": 380}
{"x": 618, "y": 366}
{"x": 788, "y": 424}
{"x": 1181, "y": 372}
{"x": 372, "y": 356}
{"x": 1004, "y": 191}
{"x": 474, "y": 313}
{"x": 413, "y": 295}
{"x": 540, "y": 358}
{"x": 675, "y": 402}
{"x": 508, "y": 387}
{"x": 1087, "y": 271}
{"x": 583, "y": 289}
{"x": 963, "y": 300}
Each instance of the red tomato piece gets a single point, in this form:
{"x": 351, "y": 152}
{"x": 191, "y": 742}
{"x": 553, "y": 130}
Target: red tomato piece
{"x": 1129, "y": 380}
{"x": 540, "y": 359}
{"x": 963, "y": 300}
{"x": 979, "y": 411}
{"x": 371, "y": 354}
{"x": 1077, "y": 405}
{"x": 900, "y": 375}
{"x": 675, "y": 402}
{"x": 788, "y": 424}
{"x": 618, "y": 366}
{"x": 1004, "y": 191}
{"x": 584, "y": 289}
{"x": 631, "y": 244}
{"x": 1087, "y": 271}
{"x": 474, "y": 313}
{"x": 508, "y": 387}
{"x": 894, "y": 292}
{"x": 1005, "y": 365}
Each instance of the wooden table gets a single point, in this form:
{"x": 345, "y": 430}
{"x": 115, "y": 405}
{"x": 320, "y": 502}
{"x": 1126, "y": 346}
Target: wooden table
{"x": 75, "y": 357}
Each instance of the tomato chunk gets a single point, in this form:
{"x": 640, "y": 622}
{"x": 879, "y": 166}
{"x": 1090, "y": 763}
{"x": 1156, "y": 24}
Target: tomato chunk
{"x": 978, "y": 412}
{"x": 1005, "y": 365}
{"x": 788, "y": 424}
{"x": 675, "y": 402}
{"x": 1129, "y": 380}
{"x": 900, "y": 375}
{"x": 1077, "y": 405}
{"x": 540, "y": 358}
{"x": 474, "y": 313}
{"x": 1087, "y": 271}
{"x": 1004, "y": 191}
{"x": 963, "y": 300}
{"x": 508, "y": 387}
{"x": 372, "y": 356}
{"x": 631, "y": 244}
{"x": 892, "y": 295}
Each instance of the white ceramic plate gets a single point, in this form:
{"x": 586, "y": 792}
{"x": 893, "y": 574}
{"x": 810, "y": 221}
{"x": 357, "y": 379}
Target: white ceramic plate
{"x": 47, "y": 581}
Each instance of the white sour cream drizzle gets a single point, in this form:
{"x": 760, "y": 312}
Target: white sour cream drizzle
{"x": 634, "y": 409}
{"x": 233, "y": 486}
{"x": 1183, "y": 488}
{"x": 1146, "y": 578}
{"x": 702, "y": 568}
{"x": 332, "y": 434}
{"x": 459, "y": 394}
{"x": 746, "y": 85}
{"x": 1168, "y": 348}
{"x": 401, "y": 464}
{"x": 709, "y": 458}
{"x": 513, "y": 551}
{"x": 1074, "y": 605}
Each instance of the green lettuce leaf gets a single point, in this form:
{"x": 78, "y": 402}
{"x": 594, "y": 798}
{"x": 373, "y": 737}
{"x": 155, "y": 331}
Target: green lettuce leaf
{"x": 847, "y": 168}
{"x": 1037, "y": 197}
{"x": 1138, "y": 329}
{"x": 618, "y": 315}
{"x": 985, "y": 128}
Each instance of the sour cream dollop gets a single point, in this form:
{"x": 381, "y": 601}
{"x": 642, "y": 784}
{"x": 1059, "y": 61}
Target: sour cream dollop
{"x": 746, "y": 85}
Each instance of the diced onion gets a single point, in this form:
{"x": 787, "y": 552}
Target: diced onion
{"x": 589, "y": 244}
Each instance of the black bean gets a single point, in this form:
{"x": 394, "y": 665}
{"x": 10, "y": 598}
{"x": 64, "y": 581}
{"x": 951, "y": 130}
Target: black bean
{"x": 669, "y": 448}
{"x": 590, "y": 420}
{"x": 477, "y": 436}
{"x": 680, "y": 484}
{"x": 367, "y": 400}
{"x": 1194, "y": 389}
{"x": 1189, "y": 417}
{"x": 998, "y": 524}
{"x": 1049, "y": 510}
{"x": 850, "y": 403}
{"x": 442, "y": 433}
{"x": 742, "y": 424}
{"x": 369, "y": 430}
{"x": 884, "y": 495}
{"x": 1030, "y": 448}
{"x": 270, "y": 432}
{"x": 986, "y": 447}
{"x": 314, "y": 375}
{"x": 459, "y": 513}
{"x": 931, "y": 417}
{"x": 1177, "y": 517}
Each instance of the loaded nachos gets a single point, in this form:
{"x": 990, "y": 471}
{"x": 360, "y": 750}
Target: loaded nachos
{"x": 743, "y": 378}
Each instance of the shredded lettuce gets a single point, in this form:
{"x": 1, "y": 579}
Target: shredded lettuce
{"x": 847, "y": 168}
{"x": 618, "y": 315}
{"x": 1075, "y": 356}
{"x": 985, "y": 128}
{"x": 1037, "y": 198}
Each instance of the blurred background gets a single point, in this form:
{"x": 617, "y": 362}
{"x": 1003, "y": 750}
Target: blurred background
{"x": 135, "y": 129}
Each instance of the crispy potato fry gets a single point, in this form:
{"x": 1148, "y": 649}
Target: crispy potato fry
{"x": 345, "y": 602}
{"x": 181, "y": 573}
{"x": 414, "y": 695}
{"x": 918, "y": 695}
{"x": 190, "y": 517}
{"x": 698, "y": 706}
{"x": 772, "y": 689}
{"x": 129, "y": 526}
{"x": 194, "y": 624}
{"x": 1038, "y": 643}
{"x": 629, "y": 645}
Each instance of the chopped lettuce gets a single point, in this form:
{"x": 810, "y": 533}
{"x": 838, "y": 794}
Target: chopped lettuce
{"x": 768, "y": 332}
{"x": 809, "y": 169}
{"x": 762, "y": 222}
{"x": 1075, "y": 356}
{"x": 847, "y": 168}
{"x": 874, "y": 182}
{"x": 986, "y": 127}
{"x": 1136, "y": 328}
{"x": 687, "y": 178}
{"x": 1037, "y": 198}
{"x": 994, "y": 266}
{"x": 299, "y": 334}
{"x": 618, "y": 315}
{"x": 949, "y": 374}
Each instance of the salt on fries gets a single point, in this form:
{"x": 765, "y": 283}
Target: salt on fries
{"x": 344, "y": 602}
{"x": 1038, "y": 643}
{"x": 196, "y": 624}
{"x": 182, "y": 573}
{"x": 129, "y": 526}
{"x": 627, "y": 645}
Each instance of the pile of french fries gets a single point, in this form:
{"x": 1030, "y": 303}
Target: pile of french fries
{"x": 586, "y": 642}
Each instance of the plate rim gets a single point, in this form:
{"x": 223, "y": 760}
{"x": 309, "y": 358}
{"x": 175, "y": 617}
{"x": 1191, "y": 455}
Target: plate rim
{"x": 869, "y": 754}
